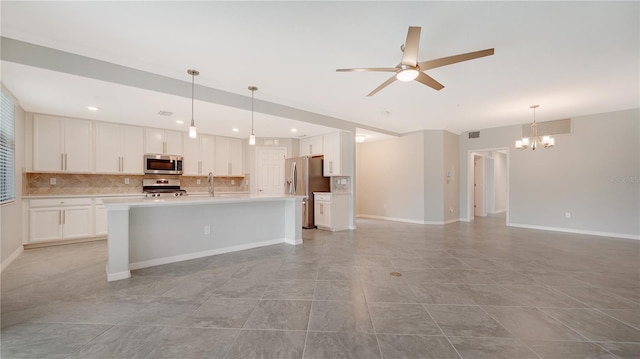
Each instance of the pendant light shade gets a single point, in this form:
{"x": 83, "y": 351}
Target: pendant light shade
{"x": 252, "y": 137}
{"x": 534, "y": 140}
{"x": 193, "y": 133}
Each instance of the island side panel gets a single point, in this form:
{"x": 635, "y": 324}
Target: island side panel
{"x": 118, "y": 244}
{"x": 166, "y": 234}
{"x": 293, "y": 222}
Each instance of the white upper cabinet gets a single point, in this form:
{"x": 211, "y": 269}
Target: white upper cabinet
{"x": 311, "y": 146}
{"x": 228, "y": 157}
{"x": 119, "y": 148}
{"x": 338, "y": 148}
{"x": 162, "y": 141}
{"x": 61, "y": 144}
{"x": 198, "y": 155}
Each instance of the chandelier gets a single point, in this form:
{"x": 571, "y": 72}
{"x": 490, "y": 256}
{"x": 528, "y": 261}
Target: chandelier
{"x": 534, "y": 141}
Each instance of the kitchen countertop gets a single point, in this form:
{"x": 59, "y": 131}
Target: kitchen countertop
{"x": 193, "y": 200}
{"x": 108, "y": 195}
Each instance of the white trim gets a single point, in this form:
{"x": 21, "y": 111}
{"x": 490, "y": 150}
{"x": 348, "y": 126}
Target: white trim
{"x": 578, "y": 231}
{"x": 405, "y": 220}
{"x": 117, "y": 276}
{"x": 293, "y": 242}
{"x": 11, "y": 258}
{"x": 185, "y": 257}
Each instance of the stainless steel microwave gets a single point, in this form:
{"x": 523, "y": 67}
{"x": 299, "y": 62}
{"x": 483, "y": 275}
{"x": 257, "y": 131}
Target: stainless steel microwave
{"x": 162, "y": 164}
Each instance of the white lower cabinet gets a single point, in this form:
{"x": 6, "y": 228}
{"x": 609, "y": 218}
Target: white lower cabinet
{"x": 60, "y": 218}
{"x": 331, "y": 211}
{"x": 100, "y": 219}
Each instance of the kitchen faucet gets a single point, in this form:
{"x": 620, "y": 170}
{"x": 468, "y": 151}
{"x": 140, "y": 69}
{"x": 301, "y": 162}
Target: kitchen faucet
{"x": 210, "y": 183}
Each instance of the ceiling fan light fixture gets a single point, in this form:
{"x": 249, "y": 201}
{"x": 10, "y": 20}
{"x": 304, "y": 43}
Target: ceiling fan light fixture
{"x": 407, "y": 74}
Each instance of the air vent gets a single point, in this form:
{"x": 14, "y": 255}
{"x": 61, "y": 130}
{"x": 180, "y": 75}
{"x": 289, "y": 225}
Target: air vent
{"x": 474, "y": 134}
{"x": 165, "y": 113}
{"x": 557, "y": 127}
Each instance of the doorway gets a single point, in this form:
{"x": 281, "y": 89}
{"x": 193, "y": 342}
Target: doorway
{"x": 270, "y": 174}
{"x": 488, "y": 189}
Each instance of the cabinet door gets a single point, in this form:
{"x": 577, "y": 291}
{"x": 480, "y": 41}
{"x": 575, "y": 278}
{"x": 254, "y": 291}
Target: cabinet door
{"x": 132, "y": 150}
{"x": 78, "y": 146}
{"x": 207, "y": 154}
{"x": 45, "y": 224}
{"x": 48, "y": 145}
{"x": 236, "y": 157}
{"x": 153, "y": 140}
{"x": 76, "y": 222}
{"x": 108, "y": 148}
{"x": 173, "y": 142}
{"x": 222, "y": 155}
{"x": 332, "y": 154}
{"x": 322, "y": 214}
{"x": 311, "y": 146}
{"x": 100, "y": 220}
{"x": 191, "y": 162}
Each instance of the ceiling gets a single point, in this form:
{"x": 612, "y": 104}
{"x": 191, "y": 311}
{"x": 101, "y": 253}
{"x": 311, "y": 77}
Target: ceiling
{"x": 571, "y": 58}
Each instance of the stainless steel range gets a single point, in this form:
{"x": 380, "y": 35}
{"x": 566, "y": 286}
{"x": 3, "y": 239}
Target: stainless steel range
{"x": 162, "y": 187}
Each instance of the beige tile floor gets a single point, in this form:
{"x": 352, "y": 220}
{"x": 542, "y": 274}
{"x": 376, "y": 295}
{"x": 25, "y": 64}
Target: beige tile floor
{"x": 465, "y": 290}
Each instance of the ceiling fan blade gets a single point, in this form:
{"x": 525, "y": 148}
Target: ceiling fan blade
{"x": 432, "y": 64}
{"x": 384, "y": 84}
{"x": 429, "y": 81}
{"x": 371, "y": 69}
{"x": 410, "y": 52}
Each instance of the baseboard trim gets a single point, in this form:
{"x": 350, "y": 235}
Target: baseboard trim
{"x": 11, "y": 258}
{"x": 405, "y": 220}
{"x": 577, "y": 231}
{"x": 33, "y": 245}
{"x": 195, "y": 255}
{"x": 117, "y": 276}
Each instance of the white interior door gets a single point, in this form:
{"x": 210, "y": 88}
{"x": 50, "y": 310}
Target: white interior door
{"x": 270, "y": 163}
{"x": 479, "y": 186}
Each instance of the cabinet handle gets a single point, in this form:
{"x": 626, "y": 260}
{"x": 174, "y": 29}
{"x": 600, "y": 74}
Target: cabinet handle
{"x": 62, "y": 162}
{"x": 230, "y": 166}
{"x": 199, "y": 166}
{"x": 330, "y": 166}
{"x": 321, "y": 208}
{"x": 65, "y": 162}
{"x": 310, "y": 149}
{"x": 164, "y": 147}
{"x": 60, "y": 217}
{"x": 64, "y": 216}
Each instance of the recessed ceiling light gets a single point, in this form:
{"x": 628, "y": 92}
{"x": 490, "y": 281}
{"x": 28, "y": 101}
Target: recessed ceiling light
{"x": 294, "y": 130}
{"x": 235, "y": 130}
{"x": 92, "y": 108}
{"x": 179, "y": 122}
{"x": 360, "y": 138}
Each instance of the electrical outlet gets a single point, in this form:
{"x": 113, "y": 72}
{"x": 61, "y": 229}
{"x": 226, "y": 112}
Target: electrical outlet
{"x": 126, "y": 181}
{"x": 233, "y": 182}
{"x": 207, "y": 230}
{"x": 52, "y": 180}
{"x": 198, "y": 181}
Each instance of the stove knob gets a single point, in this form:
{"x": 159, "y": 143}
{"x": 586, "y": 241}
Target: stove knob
{"x": 176, "y": 194}
{"x": 156, "y": 194}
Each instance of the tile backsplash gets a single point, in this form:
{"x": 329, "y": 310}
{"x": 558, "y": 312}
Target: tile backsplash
{"x": 40, "y": 184}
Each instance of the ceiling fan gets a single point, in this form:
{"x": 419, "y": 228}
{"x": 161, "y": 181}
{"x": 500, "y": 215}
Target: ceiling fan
{"x": 410, "y": 69}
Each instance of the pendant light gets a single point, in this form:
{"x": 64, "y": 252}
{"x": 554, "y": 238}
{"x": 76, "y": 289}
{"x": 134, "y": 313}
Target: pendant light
{"x": 192, "y": 129}
{"x": 252, "y": 137}
{"x": 534, "y": 140}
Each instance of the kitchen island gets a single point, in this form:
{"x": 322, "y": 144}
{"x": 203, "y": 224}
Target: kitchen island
{"x": 145, "y": 232}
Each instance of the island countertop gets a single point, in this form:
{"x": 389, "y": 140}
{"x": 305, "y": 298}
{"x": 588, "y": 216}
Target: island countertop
{"x": 144, "y": 232}
{"x": 193, "y": 200}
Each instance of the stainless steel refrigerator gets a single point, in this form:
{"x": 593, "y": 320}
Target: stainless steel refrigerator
{"x": 303, "y": 176}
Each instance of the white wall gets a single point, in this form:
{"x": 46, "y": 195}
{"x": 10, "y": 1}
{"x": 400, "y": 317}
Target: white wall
{"x": 11, "y": 214}
{"x": 405, "y": 178}
{"x": 390, "y": 178}
{"x": 594, "y": 173}
{"x": 451, "y": 163}
{"x": 499, "y": 182}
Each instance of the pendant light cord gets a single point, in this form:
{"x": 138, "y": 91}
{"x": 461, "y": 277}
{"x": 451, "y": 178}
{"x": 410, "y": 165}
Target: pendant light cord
{"x": 193, "y": 79}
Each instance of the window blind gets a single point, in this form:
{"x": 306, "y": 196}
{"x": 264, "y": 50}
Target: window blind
{"x": 7, "y": 149}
